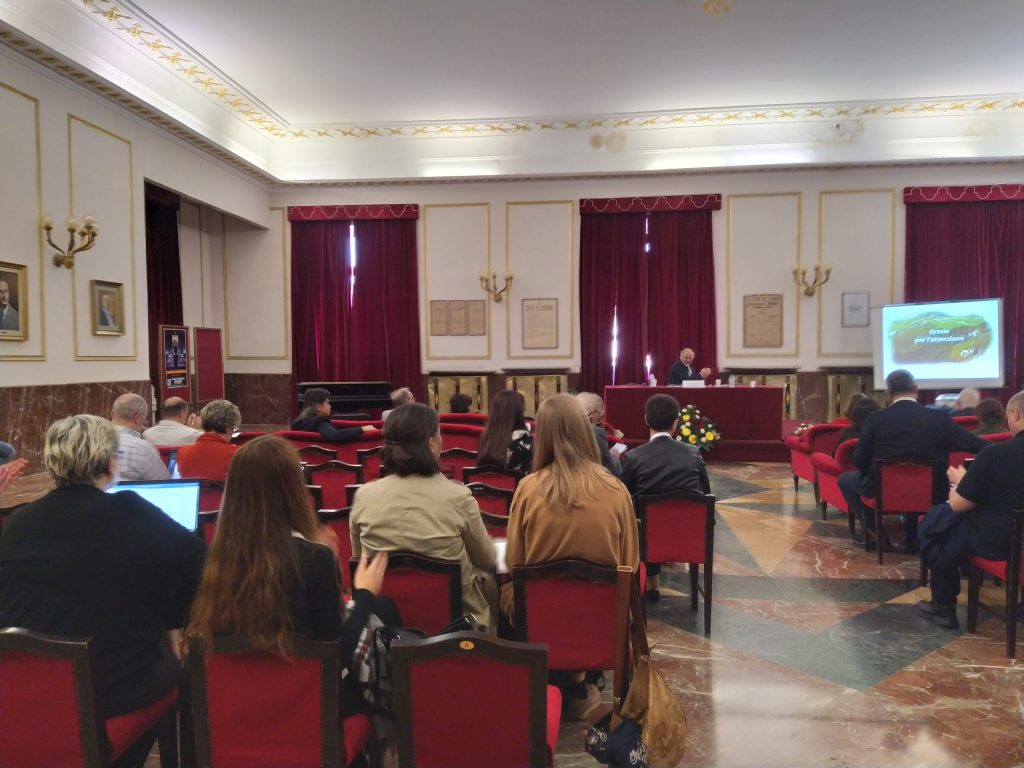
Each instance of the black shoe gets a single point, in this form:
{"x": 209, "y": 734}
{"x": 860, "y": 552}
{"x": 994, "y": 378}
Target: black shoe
{"x": 909, "y": 546}
{"x": 858, "y": 539}
{"x": 652, "y": 595}
{"x": 873, "y": 546}
{"x": 940, "y": 615}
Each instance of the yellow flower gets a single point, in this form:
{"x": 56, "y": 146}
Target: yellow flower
{"x": 686, "y": 417}
{"x": 686, "y": 431}
{"x": 711, "y": 436}
{"x": 693, "y": 439}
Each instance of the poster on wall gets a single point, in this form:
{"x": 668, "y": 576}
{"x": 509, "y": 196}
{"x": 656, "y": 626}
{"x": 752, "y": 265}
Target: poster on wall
{"x": 13, "y": 302}
{"x": 856, "y": 310}
{"x": 174, "y": 380}
{"x": 540, "y": 323}
{"x": 762, "y": 320}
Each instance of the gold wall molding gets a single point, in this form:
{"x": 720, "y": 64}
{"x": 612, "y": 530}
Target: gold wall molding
{"x": 39, "y": 215}
{"x": 134, "y": 325}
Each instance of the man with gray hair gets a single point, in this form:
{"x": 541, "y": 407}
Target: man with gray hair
{"x": 177, "y": 427}
{"x": 401, "y": 396}
{"x": 137, "y": 459}
{"x": 593, "y": 407}
{"x": 966, "y": 402}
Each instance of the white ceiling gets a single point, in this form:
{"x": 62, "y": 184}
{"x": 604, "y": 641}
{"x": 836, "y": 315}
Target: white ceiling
{"x": 325, "y": 64}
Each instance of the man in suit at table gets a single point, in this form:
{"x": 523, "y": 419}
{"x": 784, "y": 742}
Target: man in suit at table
{"x": 685, "y": 370}
{"x": 905, "y": 428}
{"x": 663, "y": 464}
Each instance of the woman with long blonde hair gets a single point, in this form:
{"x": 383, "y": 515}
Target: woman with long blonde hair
{"x": 570, "y": 508}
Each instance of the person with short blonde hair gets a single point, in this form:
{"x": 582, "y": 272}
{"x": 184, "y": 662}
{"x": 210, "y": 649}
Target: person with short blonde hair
{"x": 80, "y": 562}
{"x": 208, "y": 458}
{"x": 593, "y": 408}
{"x": 139, "y": 459}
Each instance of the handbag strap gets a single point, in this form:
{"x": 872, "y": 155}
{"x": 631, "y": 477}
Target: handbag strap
{"x": 638, "y": 623}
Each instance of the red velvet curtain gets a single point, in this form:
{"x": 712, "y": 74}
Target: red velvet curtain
{"x": 972, "y": 250}
{"x": 364, "y": 331}
{"x": 163, "y": 270}
{"x": 665, "y": 295}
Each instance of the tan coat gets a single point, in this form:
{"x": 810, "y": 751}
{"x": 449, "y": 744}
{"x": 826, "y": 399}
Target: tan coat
{"x": 432, "y": 516}
{"x": 601, "y": 530}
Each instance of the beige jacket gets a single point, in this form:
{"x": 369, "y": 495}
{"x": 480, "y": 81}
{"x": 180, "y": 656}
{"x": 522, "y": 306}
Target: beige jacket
{"x": 432, "y": 516}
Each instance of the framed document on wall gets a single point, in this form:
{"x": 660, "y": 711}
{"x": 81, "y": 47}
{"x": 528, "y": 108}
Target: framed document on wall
{"x": 762, "y": 320}
{"x": 540, "y": 323}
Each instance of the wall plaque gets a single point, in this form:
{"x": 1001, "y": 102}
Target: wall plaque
{"x": 439, "y": 318}
{"x": 540, "y": 323}
{"x": 457, "y": 317}
{"x": 762, "y": 320}
{"x": 477, "y": 317}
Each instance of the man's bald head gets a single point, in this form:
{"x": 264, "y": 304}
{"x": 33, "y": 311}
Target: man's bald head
{"x": 175, "y": 409}
{"x": 686, "y": 356}
{"x": 130, "y": 410}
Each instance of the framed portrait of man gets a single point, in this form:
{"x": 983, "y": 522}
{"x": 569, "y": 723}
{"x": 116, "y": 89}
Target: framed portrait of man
{"x": 13, "y": 302}
{"x": 107, "y": 308}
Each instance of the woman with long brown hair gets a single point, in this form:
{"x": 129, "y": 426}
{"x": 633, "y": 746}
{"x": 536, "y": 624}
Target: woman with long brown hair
{"x": 570, "y": 508}
{"x": 505, "y": 441}
{"x": 269, "y": 572}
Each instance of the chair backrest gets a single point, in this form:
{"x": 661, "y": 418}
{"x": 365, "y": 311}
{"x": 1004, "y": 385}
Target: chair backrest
{"x": 465, "y": 436}
{"x": 210, "y": 494}
{"x": 427, "y": 590}
{"x": 906, "y": 484}
{"x": 300, "y": 439}
{"x": 314, "y": 455}
{"x": 332, "y": 477}
{"x": 823, "y": 437}
{"x": 369, "y": 460}
{"x": 347, "y": 451}
{"x": 244, "y": 437}
{"x": 473, "y": 419}
{"x": 967, "y": 422}
{"x": 844, "y": 454}
{"x": 477, "y": 674}
{"x": 676, "y": 527}
{"x": 998, "y": 437}
{"x": 337, "y": 521}
{"x": 166, "y": 451}
{"x": 496, "y": 501}
{"x": 208, "y": 525}
{"x": 457, "y": 459}
{"x": 47, "y": 705}
{"x": 579, "y": 609}
{"x": 496, "y": 525}
{"x": 253, "y": 707}
{"x": 493, "y": 476}
{"x": 316, "y": 497}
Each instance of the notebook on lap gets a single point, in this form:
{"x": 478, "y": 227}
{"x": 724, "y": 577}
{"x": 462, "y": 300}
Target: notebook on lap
{"x": 179, "y": 499}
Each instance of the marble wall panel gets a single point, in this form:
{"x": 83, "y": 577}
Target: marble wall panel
{"x": 27, "y": 412}
{"x": 263, "y": 398}
{"x": 811, "y": 397}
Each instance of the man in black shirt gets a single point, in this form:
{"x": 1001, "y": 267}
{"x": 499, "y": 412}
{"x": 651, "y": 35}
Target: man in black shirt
{"x": 977, "y": 519}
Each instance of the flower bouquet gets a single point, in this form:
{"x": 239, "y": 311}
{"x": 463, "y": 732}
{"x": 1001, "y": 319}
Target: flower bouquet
{"x": 696, "y": 429}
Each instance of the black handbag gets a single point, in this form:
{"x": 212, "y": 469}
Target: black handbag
{"x": 618, "y": 746}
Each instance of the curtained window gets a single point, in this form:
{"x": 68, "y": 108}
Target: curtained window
{"x": 355, "y": 300}
{"x": 968, "y": 243}
{"x": 647, "y": 286}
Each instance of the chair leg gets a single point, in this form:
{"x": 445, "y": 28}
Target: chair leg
{"x": 693, "y": 585}
{"x": 817, "y": 494}
{"x": 878, "y": 531}
{"x": 708, "y": 573}
{"x": 824, "y": 507}
{"x": 973, "y": 595}
{"x": 796, "y": 483}
{"x": 853, "y": 524}
{"x": 1012, "y": 608}
{"x": 167, "y": 738}
{"x": 924, "y": 573}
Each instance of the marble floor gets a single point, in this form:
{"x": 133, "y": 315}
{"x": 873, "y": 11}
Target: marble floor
{"x": 817, "y": 656}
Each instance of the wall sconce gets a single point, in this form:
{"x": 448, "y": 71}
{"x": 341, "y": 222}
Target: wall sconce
{"x": 489, "y": 282}
{"x": 85, "y": 231}
{"x": 821, "y": 275}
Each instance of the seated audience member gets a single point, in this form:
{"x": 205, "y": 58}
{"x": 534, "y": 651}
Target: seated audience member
{"x": 905, "y": 428}
{"x": 208, "y": 458}
{"x": 11, "y": 471}
{"x": 111, "y": 567}
{"x": 6, "y": 452}
{"x": 662, "y": 464}
{"x": 977, "y": 519}
{"x": 270, "y": 574}
{"x": 569, "y": 508}
{"x": 991, "y": 417}
{"x": 315, "y": 416}
{"x": 460, "y": 402}
{"x": 593, "y": 407}
{"x": 505, "y": 441}
{"x": 851, "y": 401}
{"x": 416, "y": 508}
{"x": 402, "y": 396}
{"x": 137, "y": 458}
{"x": 860, "y": 412}
{"x": 177, "y": 427}
{"x": 966, "y": 402}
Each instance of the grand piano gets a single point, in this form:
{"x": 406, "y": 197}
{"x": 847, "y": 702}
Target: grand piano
{"x": 352, "y": 397}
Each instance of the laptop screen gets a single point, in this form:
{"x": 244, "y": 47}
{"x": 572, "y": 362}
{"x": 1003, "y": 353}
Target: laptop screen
{"x": 179, "y": 499}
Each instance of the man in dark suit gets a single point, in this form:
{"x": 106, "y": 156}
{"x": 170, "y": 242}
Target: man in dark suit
{"x": 905, "y": 428}
{"x": 685, "y": 370}
{"x": 662, "y": 464}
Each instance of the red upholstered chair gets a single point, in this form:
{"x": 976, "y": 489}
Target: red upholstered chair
{"x": 828, "y": 469}
{"x": 333, "y": 477}
{"x": 348, "y": 452}
{"x": 496, "y": 501}
{"x": 904, "y": 485}
{"x": 998, "y": 437}
{"x": 819, "y": 438}
{"x": 967, "y": 422}
{"x": 369, "y": 460}
{"x": 314, "y": 455}
{"x": 461, "y": 436}
{"x": 48, "y": 708}
{"x": 493, "y": 476}
{"x": 580, "y": 610}
{"x": 166, "y": 451}
{"x": 1012, "y": 573}
{"x": 350, "y": 423}
{"x": 316, "y": 497}
{"x": 679, "y": 527}
{"x": 496, "y": 525}
{"x": 300, "y": 440}
{"x": 427, "y": 590}
{"x": 254, "y": 708}
{"x": 473, "y": 419}
{"x": 337, "y": 521}
{"x": 443, "y": 684}
{"x": 210, "y": 494}
{"x": 458, "y": 459}
{"x": 208, "y": 525}
{"x": 244, "y": 437}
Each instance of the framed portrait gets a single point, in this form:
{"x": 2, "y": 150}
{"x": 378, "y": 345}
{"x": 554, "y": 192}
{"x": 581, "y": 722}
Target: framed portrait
{"x": 856, "y": 310}
{"x": 13, "y": 302}
{"x": 107, "y": 308}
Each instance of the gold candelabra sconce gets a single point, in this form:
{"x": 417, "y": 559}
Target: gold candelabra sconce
{"x": 489, "y": 282}
{"x": 822, "y": 272}
{"x": 81, "y": 237}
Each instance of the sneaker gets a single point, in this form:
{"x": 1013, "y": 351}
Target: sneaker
{"x": 580, "y": 709}
{"x": 940, "y": 615}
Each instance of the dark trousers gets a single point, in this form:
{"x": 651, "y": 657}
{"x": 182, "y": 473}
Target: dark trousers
{"x": 946, "y": 541}
{"x": 853, "y": 485}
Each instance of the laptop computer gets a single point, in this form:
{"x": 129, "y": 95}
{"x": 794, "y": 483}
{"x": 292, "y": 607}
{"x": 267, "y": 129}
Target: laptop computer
{"x": 179, "y": 499}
